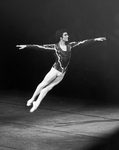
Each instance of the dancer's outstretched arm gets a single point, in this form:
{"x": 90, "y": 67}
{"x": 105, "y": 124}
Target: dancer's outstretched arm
{"x": 47, "y": 46}
{"x": 88, "y": 41}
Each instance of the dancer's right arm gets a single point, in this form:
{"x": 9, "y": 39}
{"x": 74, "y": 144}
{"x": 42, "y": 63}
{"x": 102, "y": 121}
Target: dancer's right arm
{"x": 47, "y": 46}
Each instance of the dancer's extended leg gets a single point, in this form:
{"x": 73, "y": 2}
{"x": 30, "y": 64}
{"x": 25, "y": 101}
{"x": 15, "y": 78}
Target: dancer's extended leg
{"x": 45, "y": 91}
{"x": 51, "y": 75}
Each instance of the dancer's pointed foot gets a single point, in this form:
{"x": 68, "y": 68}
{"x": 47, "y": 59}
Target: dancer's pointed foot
{"x": 29, "y": 102}
{"x": 35, "y": 106}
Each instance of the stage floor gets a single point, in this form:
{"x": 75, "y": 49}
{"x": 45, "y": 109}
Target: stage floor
{"x": 58, "y": 124}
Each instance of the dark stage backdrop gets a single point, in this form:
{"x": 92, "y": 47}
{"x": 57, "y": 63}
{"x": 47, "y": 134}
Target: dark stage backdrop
{"x": 94, "y": 69}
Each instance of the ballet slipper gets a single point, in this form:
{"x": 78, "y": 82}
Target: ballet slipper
{"x": 35, "y": 106}
{"x": 29, "y": 102}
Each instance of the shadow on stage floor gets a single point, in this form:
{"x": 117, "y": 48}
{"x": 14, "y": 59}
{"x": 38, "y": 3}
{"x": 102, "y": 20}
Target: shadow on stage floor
{"x": 58, "y": 123}
{"x": 110, "y": 143}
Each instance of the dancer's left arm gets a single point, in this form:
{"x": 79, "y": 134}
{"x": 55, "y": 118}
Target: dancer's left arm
{"x": 88, "y": 41}
{"x": 46, "y": 46}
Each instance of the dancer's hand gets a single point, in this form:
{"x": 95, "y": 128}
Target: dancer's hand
{"x": 100, "y": 39}
{"x": 21, "y": 46}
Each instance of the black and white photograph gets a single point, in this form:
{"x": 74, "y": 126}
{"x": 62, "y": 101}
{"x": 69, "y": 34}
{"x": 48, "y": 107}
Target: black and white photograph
{"x": 59, "y": 74}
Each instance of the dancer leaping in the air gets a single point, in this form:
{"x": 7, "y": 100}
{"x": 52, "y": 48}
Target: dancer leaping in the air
{"x": 63, "y": 54}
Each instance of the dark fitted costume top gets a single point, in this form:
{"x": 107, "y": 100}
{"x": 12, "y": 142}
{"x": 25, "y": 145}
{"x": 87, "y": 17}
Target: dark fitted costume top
{"x": 62, "y": 58}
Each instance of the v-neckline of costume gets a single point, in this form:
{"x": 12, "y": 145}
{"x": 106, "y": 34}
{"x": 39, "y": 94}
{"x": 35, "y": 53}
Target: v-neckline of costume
{"x": 62, "y": 49}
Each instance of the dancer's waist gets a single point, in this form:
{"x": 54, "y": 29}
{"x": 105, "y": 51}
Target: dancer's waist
{"x": 59, "y": 68}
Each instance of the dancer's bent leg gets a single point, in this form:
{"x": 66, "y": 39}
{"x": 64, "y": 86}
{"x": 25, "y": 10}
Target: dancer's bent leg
{"x": 45, "y": 91}
{"x": 51, "y": 75}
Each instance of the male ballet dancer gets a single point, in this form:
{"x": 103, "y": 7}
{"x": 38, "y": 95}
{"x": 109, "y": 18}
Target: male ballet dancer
{"x": 62, "y": 54}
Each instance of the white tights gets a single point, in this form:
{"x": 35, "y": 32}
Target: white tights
{"x": 52, "y": 78}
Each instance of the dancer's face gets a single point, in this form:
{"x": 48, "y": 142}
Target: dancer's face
{"x": 65, "y": 37}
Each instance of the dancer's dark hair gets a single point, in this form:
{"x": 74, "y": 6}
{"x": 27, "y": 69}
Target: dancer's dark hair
{"x": 59, "y": 33}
